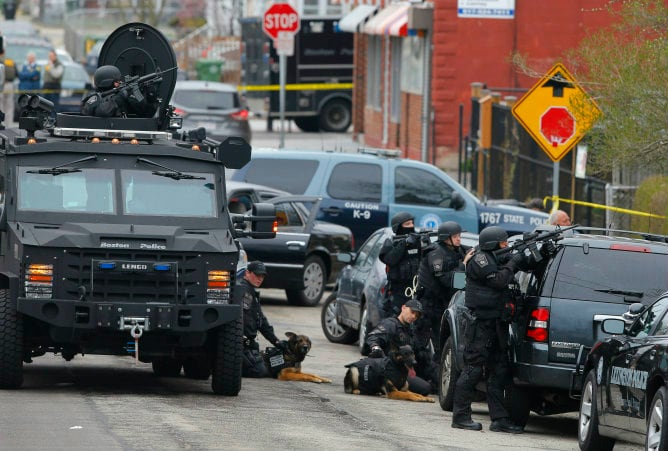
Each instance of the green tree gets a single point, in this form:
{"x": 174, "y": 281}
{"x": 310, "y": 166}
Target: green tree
{"x": 624, "y": 68}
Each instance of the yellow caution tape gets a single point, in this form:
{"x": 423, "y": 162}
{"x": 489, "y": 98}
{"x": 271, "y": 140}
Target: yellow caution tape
{"x": 296, "y": 87}
{"x": 556, "y": 199}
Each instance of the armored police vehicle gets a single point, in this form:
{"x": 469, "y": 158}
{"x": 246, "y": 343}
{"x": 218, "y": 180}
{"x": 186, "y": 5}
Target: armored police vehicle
{"x": 114, "y": 235}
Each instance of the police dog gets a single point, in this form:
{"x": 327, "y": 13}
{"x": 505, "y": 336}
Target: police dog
{"x": 285, "y": 365}
{"x": 386, "y": 376}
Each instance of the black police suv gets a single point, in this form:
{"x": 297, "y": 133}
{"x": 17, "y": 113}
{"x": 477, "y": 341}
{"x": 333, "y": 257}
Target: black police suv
{"x": 625, "y": 394}
{"x": 115, "y": 237}
{"x": 559, "y": 308}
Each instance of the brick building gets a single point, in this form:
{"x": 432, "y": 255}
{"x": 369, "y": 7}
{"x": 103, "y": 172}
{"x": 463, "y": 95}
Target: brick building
{"x": 394, "y": 70}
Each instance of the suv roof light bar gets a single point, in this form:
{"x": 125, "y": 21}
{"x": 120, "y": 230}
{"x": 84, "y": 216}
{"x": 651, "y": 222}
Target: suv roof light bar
{"x": 388, "y": 153}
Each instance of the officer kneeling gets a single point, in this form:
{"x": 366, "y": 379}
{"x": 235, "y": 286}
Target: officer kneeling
{"x": 486, "y": 330}
{"x": 254, "y": 320}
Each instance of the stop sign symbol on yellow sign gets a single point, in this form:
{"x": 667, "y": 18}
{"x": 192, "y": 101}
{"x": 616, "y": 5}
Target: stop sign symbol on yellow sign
{"x": 556, "y": 112}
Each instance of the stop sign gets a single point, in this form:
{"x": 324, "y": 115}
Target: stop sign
{"x": 280, "y": 17}
{"x": 557, "y": 125}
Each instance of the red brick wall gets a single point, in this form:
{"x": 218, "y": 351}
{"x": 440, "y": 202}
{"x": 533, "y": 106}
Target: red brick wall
{"x": 411, "y": 125}
{"x": 359, "y": 84}
{"x": 470, "y": 50}
{"x": 478, "y": 50}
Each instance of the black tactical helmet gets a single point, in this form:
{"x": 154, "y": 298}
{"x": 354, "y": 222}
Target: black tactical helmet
{"x": 447, "y": 229}
{"x": 399, "y": 219}
{"x": 490, "y": 237}
{"x": 257, "y": 267}
{"x": 105, "y": 76}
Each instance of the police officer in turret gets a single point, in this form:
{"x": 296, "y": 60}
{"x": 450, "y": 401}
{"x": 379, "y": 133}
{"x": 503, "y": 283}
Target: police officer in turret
{"x": 402, "y": 257}
{"x": 486, "y": 329}
{"x": 254, "y": 320}
{"x": 119, "y": 103}
{"x": 439, "y": 262}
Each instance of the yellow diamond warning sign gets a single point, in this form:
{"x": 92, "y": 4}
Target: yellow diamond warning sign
{"x": 556, "y": 112}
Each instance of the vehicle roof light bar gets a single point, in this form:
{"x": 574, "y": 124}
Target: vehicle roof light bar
{"x": 103, "y": 133}
{"x": 389, "y": 153}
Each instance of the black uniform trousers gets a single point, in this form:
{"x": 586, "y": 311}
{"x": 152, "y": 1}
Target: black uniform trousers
{"x": 485, "y": 355}
{"x": 253, "y": 364}
{"x": 428, "y": 326}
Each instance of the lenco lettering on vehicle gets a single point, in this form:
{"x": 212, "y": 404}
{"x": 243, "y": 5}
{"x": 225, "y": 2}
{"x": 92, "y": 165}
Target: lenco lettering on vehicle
{"x": 628, "y": 377}
{"x": 134, "y": 266}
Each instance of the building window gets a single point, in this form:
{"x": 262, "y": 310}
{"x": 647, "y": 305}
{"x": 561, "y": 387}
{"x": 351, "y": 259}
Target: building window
{"x": 395, "y": 102}
{"x": 374, "y": 64}
{"x": 413, "y": 64}
{"x": 321, "y": 8}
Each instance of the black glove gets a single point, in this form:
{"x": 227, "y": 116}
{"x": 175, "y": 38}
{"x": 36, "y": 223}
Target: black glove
{"x": 548, "y": 249}
{"x": 282, "y": 345}
{"x": 412, "y": 240}
{"x": 516, "y": 261}
{"x": 508, "y": 312}
{"x": 377, "y": 353}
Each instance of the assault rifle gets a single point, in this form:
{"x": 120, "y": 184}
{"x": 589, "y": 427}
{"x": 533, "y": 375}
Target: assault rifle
{"x": 133, "y": 85}
{"x": 531, "y": 239}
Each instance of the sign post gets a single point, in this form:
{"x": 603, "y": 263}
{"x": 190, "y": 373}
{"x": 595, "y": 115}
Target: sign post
{"x": 557, "y": 113}
{"x": 281, "y": 23}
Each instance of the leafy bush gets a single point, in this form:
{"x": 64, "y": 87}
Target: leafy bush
{"x": 652, "y": 197}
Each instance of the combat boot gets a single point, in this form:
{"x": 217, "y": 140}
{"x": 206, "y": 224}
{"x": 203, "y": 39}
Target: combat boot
{"x": 466, "y": 423}
{"x": 505, "y": 425}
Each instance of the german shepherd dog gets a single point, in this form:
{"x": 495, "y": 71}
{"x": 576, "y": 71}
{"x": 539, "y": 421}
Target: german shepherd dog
{"x": 386, "y": 376}
{"x": 286, "y": 365}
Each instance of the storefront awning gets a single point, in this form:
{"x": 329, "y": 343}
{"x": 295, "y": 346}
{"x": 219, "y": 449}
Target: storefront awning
{"x": 352, "y": 21}
{"x": 392, "y": 20}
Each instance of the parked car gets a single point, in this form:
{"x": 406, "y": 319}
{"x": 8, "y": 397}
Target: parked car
{"x": 20, "y": 28}
{"x": 17, "y": 47}
{"x": 215, "y": 106}
{"x": 241, "y": 196}
{"x": 64, "y": 56}
{"x": 363, "y": 191}
{"x": 74, "y": 85}
{"x": 355, "y": 305}
{"x": 302, "y": 258}
{"x": 560, "y": 308}
{"x": 625, "y": 392}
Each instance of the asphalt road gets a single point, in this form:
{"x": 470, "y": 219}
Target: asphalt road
{"x": 109, "y": 403}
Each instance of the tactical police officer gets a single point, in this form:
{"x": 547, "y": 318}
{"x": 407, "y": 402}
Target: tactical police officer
{"x": 485, "y": 333}
{"x": 117, "y": 102}
{"x": 254, "y": 320}
{"x": 402, "y": 257}
{"x": 437, "y": 267}
{"x": 396, "y": 331}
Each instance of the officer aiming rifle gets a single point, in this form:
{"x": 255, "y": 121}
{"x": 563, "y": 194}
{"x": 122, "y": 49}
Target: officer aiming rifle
{"x": 530, "y": 240}
{"x": 118, "y": 96}
{"x": 134, "y": 85}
